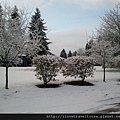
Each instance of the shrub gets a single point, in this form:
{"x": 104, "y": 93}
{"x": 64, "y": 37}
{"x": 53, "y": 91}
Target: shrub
{"x": 47, "y": 67}
{"x": 78, "y": 67}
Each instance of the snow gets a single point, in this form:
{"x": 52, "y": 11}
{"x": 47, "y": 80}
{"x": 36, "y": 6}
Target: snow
{"x": 24, "y": 97}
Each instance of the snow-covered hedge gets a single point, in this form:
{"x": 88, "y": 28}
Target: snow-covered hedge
{"x": 47, "y": 67}
{"x": 78, "y": 67}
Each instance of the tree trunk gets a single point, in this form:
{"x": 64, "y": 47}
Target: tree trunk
{"x": 104, "y": 75}
{"x": 45, "y": 83}
{"x": 44, "y": 80}
{"x": 83, "y": 78}
{"x": 104, "y": 69}
{"x": 6, "y": 86}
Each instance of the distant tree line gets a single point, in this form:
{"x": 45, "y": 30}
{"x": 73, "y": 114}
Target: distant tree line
{"x": 79, "y": 52}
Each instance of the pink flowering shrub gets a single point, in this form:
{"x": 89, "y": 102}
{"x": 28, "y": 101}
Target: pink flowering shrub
{"x": 78, "y": 67}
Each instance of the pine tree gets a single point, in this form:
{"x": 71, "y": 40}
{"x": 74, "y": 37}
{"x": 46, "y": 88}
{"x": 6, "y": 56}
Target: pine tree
{"x": 74, "y": 53}
{"x": 37, "y": 32}
{"x": 70, "y": 54}
{"x": 88, "y": 47}
{"x": 63, "y": 54}
{"x": 15, "y": 13}
{"x": 15, "y": 19}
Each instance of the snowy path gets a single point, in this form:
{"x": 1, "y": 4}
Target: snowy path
{"x": 24, "y": 97}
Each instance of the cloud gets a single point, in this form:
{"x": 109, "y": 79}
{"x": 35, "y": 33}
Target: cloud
{"x": 69, "y": 40}
{"x": 48, "y": 3}
{"x": 92, "y": 4}
{"x": 31, "y": 4}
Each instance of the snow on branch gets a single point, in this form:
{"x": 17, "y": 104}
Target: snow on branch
{"x": 47, "y": 67}
{"x": 78, "y": 67}
{"x": 13, "y": 34}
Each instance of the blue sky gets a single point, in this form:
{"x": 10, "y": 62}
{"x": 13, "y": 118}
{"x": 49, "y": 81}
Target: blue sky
{"x": 68, "y": 20}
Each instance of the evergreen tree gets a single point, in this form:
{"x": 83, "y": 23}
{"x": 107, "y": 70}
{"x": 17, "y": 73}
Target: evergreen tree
{"x": 63, "y": 54}
{"x": 88, "y": 47}
{"x": 15, "y": 13}
{"x": 15, "y": 20}
{"x": 70, "y": 54}
{"x": 37, "y": 32}
{"x": 74, "y": 53}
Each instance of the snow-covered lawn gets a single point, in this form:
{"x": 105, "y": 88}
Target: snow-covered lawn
{"x": 24, "y": 97}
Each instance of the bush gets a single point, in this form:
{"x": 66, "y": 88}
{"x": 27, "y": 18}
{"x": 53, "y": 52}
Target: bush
{"x": 78, "y": 67}
{"x": 47, "y": 67}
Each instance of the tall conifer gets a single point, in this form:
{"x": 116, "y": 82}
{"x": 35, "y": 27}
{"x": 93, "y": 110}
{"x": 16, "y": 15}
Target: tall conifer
{"x": 38, "y": 32}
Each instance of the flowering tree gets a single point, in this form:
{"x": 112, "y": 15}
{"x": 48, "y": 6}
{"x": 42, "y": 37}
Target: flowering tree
{"x": 47, "y": 67}
{"x": 78, "y": 67}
